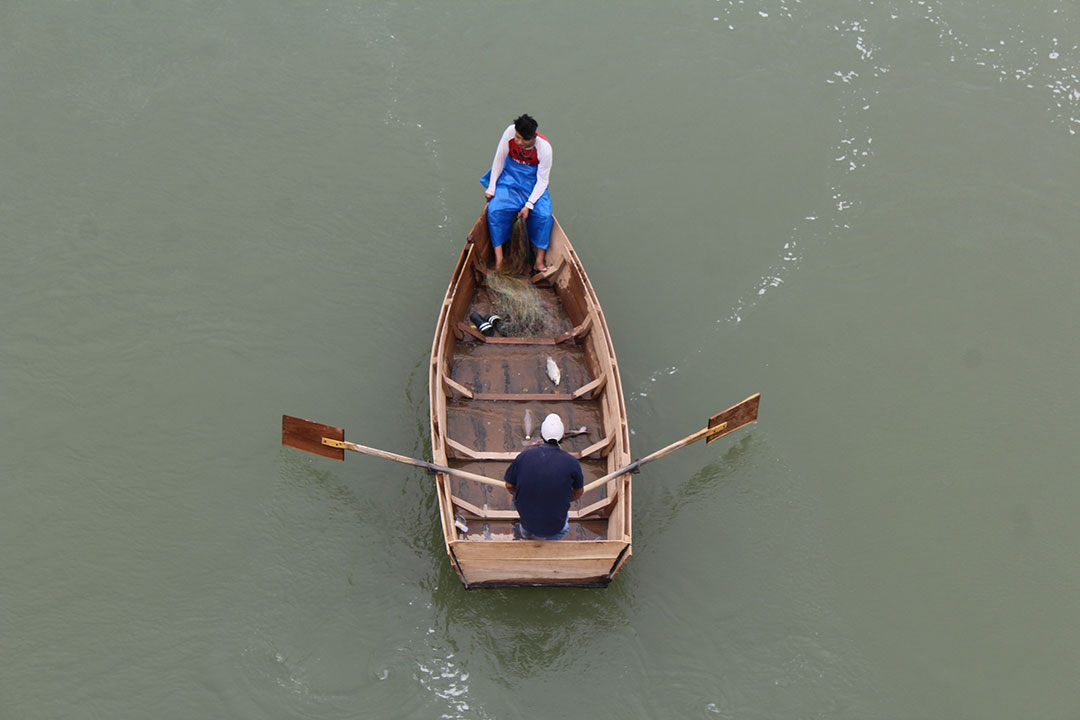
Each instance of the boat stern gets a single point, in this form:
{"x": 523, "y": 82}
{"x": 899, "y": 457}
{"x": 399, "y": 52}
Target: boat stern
{"x": 554, "y": 563}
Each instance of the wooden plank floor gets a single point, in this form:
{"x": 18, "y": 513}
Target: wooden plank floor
{"x": 486, "y": 425}
{"x": 498, "y": 426}
{"x": 497, "y": 368}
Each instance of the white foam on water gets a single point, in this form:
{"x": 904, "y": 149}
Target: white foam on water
{"x": 445, "y": 680}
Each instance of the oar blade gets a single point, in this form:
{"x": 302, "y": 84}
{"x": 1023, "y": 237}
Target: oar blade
{"x": 307, "y": 436}
{"x": 736, "y": 416}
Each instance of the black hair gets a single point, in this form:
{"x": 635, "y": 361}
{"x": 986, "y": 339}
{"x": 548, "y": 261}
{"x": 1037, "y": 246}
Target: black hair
{"x": 525, "y": 126}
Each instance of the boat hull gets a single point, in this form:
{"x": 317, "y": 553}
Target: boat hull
{"x": 480, "y": 388}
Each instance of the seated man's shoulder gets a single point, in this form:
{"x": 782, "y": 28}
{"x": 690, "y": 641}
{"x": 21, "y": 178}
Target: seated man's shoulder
{"x": 532, "y": 452}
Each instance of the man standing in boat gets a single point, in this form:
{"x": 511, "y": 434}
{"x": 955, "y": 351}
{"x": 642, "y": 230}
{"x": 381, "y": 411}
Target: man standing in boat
{"x": 517, "y": 185}
{"x": 544, "y": 480}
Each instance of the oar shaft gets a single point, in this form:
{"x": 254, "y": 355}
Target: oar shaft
{"x": 356, "y": 447}
{"x": 678, "y": 445}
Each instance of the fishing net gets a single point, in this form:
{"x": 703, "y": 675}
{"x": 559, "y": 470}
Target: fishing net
{"x": 516, "y": 260}
{"x": 514, "y": 298}
{"x": 517, "y": 301}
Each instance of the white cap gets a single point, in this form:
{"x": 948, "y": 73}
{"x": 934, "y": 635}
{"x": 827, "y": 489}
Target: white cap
{"x": 551, "y": 428}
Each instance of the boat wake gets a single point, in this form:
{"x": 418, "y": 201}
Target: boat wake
{"x": 445, "y": 680}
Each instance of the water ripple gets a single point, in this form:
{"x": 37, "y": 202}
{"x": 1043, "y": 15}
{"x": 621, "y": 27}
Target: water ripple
{"x": 1030, "y": 54}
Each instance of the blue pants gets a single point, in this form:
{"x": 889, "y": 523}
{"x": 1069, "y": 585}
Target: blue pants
{"x": 512, "y": 191}
{"x": 526, "y": 535}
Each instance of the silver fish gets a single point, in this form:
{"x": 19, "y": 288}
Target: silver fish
{"x": 528, "y": 423}
{"x": 553, "y": 371}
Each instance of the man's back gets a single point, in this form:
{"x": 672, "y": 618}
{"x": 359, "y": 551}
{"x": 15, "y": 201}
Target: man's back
{"x": 545, "y": 478}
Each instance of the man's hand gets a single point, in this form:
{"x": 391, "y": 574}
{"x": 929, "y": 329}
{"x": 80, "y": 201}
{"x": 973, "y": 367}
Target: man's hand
{"x": 488, "y": 195}
{"x": 524, "y": 214}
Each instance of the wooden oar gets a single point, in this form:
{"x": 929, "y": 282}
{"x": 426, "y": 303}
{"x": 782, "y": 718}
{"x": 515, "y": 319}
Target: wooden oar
{"x": 329, "y": 441}
{"x": 719, "y": 425}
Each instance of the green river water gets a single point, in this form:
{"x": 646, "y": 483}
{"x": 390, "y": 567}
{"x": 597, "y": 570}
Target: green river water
{"x": 213, "y": 213}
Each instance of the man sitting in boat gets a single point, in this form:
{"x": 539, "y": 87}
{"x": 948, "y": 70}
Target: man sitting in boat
{"x": 544, "y": 480}
{"x": 517, "y": 185}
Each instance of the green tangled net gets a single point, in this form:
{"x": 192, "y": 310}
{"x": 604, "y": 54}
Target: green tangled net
{"x": 514, "y": 298}
{"x": 518, "y": 303}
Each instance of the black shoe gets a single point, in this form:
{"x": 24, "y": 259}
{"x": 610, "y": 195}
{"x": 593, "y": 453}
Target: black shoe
{"x": 483, "y": 325}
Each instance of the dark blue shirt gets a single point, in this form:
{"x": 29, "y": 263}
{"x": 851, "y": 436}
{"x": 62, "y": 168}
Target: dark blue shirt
{"x": 544, "y": 477}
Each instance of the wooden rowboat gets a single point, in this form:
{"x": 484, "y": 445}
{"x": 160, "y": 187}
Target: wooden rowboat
{"x": 480, "y": 388}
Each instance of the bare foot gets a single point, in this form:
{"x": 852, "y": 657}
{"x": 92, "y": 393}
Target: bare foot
{"x": 540, "y": 264}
